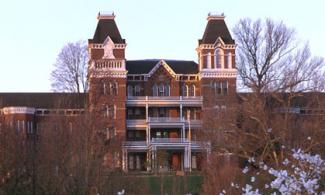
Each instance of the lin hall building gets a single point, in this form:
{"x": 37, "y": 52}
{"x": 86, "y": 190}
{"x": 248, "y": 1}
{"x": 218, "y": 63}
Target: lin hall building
{"x": 160, "y": 107}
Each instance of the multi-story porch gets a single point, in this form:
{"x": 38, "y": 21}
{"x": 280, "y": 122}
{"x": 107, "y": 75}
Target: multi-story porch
{"x": 164, "y": 154}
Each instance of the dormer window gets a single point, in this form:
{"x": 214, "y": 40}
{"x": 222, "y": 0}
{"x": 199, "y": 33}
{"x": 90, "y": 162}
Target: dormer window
{"x": 185, "y": 90}
{"x": 161, "y": 90}
{"x": 155, "y": 90}
{"x": 191, "y": 90}
{"x": 137, "y": 90}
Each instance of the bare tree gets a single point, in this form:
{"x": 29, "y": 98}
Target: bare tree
{"x": 269, "y": 57}
{"x": 70, "y": 73}
{"x": 277, "y": 72}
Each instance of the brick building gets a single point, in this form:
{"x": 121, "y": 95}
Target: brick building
{"x": 157, "y": 106}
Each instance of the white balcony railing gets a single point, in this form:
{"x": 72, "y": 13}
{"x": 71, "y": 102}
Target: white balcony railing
{"x": 111, "y": 64}
{"x": 165, "y": 119}
{"x": 173, "y": 98}
{"x": 169, "y": 140}
{"x": 135, "y": 143}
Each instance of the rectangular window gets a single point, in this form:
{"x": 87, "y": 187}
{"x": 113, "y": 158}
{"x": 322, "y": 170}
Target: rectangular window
{"x": 218, "y": 88}
{"x": 131, "y": 162}
{"x": 137, "y": 90}
{"x": 130, "y": 113}
{"x": 221, "y": 88}
{"x": 225, "y": 88}
{"x": 110, "y": 112}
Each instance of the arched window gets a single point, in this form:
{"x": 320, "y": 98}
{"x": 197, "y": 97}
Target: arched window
{"x": 229, "y": 60}
{"x": 161, "y": 89}
{"x": 218, "y": 89}
{"x": 115, "y": 89}
{"x": 191, "y": 90}
{"x": 167, "y": 90}
{"x": 184, "y": 90}
{"x": 155, "y": 90}
{"x": 209, "y": 60}
{"x": 137, "y": 91}
{"x": 104, "y": 88}
{"x": 130, "y": 90}
{"x": 218, "y": 58}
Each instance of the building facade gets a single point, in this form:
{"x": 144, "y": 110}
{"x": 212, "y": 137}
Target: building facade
{"x": 158, "y": 106}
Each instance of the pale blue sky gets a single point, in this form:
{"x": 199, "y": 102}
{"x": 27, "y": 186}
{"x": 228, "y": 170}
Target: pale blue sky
{"x": 34, "y": 31}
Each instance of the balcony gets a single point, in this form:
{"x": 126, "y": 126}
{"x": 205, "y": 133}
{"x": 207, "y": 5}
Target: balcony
{"x": 179, "y": 142}
{"x": 108, "y": 64}
{"x": 136, "y": 123}
{"x": 163, "y": 122}
{"x": 135, "y": 145}
{"x": 164, "y": 100}
{"x": 167, "y": 142}
{"x": 166, "y": 121}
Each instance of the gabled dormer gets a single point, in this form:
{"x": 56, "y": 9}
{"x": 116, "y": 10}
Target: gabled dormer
{"x": 216, "y": 49}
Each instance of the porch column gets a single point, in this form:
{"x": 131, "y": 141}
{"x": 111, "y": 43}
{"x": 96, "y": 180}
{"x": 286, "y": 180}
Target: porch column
{"x": 153, "y": 158}
{"x": 147, "y": 112}
{"x": 183, "y": 132}
{"x": 149, "y": 160}
{"x": 186, "y": 158}
{"x": 181, "y": 110}
{"x": 149, "y": 134}
{"x": 124, "y": 160}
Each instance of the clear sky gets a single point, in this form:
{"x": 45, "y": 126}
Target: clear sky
{"x": 34, "y": 31}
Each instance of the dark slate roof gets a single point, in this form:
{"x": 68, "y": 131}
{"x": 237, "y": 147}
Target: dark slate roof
{"x": 145, "y": 66}
{"x": 107, "y": 27}
{"x": 44, "y": 100}
{"x": 215, "y": 29}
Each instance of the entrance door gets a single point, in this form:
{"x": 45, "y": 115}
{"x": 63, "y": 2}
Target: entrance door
{"x": 176, "y": 162}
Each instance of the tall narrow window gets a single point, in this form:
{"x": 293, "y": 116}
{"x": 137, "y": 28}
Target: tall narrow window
{"x": 217, "y": 86}
{"x": 209, "y": 60}
{"x": 229, "y": 60}
{"x": 216, "y": 59}
{"x": 192, "y": 90}
{"x": 114, "y": 88}
{"x": 184, "y": 90}
{"x": 131, "y": 162}
{"x": 167, "y": 90}
{"x": 161, "y": 89}
{"x": 104, "y": 88}
{"x": 137, "y": 90}
{"x": 155, "y": 90}
{"x": 226, "y": 64}
{"x": 225, "y": 88}
{"x": 130, "y": 90}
